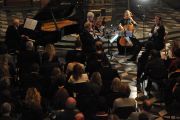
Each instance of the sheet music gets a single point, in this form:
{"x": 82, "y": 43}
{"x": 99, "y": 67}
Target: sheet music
{"x": 114, "y": 38}
{"x": 30, "y": 23}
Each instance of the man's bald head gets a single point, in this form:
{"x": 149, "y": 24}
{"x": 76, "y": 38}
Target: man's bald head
{"x": 70, "y": 103}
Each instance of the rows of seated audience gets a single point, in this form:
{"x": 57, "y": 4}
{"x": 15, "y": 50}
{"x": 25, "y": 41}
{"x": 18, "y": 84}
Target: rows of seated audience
{"x": 37, "y": 86}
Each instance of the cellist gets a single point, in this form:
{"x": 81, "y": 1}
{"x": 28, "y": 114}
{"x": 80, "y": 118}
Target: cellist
{"x": 126, "y": 27}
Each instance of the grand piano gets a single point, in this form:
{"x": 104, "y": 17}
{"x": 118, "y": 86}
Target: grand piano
{"x": 56, "y": 19}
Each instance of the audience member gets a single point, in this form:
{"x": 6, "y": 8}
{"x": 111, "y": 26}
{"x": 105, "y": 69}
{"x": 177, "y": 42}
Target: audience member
{"x": 32, "y": 109}
{"x": 116, "y": 91}
{"x": 78, "y": 75}
{"x": 70, "y": 110}
{"x": 124, "y": 106}
{"x": 146, "y": 108}
{"x": 96, "y": 83}
{"x": 79, "y": 116}
{"x": 6, "y": 111}
{"x": 155, "y": 70}
{"x": 27, "y": 58}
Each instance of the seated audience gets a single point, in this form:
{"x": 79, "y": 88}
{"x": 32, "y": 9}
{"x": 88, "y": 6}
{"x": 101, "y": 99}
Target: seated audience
{"x": 27, "y": 58}
{"x": 78, "y": 75}
{"x": 32, "y": 79}
{"x": 142, "y": 61}
{"x": 50, "y": 54}
{"x": 70, "y": 110}
{"x": 79, "y": 116}
{"x": 155, "y": 70}
{"x": 146, "y": 108}
{"x": 124, "y": 106}
{"x": 70, "y": 67}
{"x": 116, "y": 91}
{"x": 32, "y": 109}
{"x": 6, "y": 111}
{"x": 95, "y": 83}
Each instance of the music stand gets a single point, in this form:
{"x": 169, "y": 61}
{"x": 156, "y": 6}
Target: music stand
{"x": 110, "y": 43}
{"x": 108, "y": 35}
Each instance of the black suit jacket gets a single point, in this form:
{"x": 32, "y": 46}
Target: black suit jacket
{"x": 13, "y": 37}
{"x": 158, "y": 38}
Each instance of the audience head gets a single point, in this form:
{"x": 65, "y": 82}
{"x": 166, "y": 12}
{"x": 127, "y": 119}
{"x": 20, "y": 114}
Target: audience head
{"x": 88, "y": 26}
{"x": 6, "y": 108}
{"x": 147, "y": 105}
{"x": 96, "y": 78}
{"x": 57, "y": 76}
{"x": 78, "y": 70}
{"x": 79, "y": 116}
{"x": 125, "y": 90}
{"x": 116, "y": 84}
{"x": 51, "y": 51}
{"x": 143, "y": 116}
{"x": 29, "y": 45}
{"x": 33, "y": 97}
{"x": 70, "y": 103}
{"x": 56, "y": 71}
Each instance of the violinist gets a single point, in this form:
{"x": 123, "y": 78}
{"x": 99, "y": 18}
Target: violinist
{"x": 126, "y": 27}
{"x": 157, "y": 34}
{"x": 94, "y": 26}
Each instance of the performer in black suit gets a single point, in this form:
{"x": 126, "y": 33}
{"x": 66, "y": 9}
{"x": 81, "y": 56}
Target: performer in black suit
{"x": 14, "y": 35}
{"x": 157, "y": 34}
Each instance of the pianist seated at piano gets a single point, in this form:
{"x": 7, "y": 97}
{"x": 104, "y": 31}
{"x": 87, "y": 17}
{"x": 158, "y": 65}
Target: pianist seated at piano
{"x": 15, "y": 36}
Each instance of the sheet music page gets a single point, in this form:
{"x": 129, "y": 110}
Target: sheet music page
{"x": 30, "y": 23}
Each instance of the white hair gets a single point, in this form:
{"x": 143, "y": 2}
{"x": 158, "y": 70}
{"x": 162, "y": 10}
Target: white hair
{"x": 90, "y": 14}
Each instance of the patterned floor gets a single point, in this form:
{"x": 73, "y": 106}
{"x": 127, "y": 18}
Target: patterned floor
{"x": 128, "y": 71}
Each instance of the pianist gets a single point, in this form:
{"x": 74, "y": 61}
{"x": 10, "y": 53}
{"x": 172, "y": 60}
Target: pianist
{"x": 14, "y": 36}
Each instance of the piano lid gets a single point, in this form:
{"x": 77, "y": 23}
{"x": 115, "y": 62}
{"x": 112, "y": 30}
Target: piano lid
{"x": 60, "y": 8}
